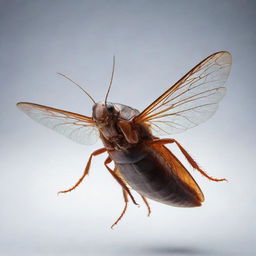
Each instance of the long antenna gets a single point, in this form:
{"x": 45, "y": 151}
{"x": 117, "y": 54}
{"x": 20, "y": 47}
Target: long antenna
{"x": 78, "y": 86}
{"x": 111, "y": 80}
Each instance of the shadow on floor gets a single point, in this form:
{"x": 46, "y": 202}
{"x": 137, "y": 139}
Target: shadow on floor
{"x": 174, "y": 250}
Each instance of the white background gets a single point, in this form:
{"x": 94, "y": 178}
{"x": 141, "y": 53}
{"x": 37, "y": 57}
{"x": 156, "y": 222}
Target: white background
{"x": 155, "y": 43}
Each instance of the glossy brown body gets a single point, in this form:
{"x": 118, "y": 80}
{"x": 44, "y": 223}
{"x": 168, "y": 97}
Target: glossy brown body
{"x": 148, "y": 172}
{"x": 149, "y": 168}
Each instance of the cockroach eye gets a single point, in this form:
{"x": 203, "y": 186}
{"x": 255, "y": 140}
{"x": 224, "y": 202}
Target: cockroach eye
{"x": 110, "y": 108}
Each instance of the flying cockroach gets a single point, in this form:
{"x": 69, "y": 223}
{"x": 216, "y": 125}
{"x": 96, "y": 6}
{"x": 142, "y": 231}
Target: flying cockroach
{"x": 131, "y": 139}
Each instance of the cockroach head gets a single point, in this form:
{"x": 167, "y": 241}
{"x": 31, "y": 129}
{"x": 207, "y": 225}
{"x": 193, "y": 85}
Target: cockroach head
{"x": 102, "y": 112}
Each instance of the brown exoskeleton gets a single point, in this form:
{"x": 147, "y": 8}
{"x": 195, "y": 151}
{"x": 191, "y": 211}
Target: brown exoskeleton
{"x": 130, "y": 138}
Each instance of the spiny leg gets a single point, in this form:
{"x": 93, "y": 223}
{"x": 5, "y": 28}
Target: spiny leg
{"x": 188, "y": 157}
{"x": 124, "y": 210}
{"x": 86, "y": 170}
{"x": 118, "y": 179}
{"x": 147, "y": 204}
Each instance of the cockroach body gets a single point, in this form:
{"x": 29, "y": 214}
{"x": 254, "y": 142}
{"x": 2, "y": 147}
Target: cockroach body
{"x": 145, "y": 166}
{"x": 141, "y": 159}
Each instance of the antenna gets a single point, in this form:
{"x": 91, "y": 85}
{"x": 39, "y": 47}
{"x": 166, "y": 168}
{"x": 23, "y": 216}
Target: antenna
{"x": 78, "y": 86}
{"x": 111, "y": 80}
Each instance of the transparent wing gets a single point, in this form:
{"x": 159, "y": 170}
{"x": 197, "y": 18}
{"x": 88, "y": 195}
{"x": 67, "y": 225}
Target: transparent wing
{"x": 192, "y": 100}
{"x": 74, "y": 126}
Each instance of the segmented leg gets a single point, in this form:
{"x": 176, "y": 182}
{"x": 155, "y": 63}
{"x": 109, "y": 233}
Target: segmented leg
{"x": 147, "y": 204}
{"x": 118, "y": 179}
{"x": 86, "y": 171}
{"x": 124, "y": 210}
{"x": 143, "y": 198}
{"x": 186, "y": 154}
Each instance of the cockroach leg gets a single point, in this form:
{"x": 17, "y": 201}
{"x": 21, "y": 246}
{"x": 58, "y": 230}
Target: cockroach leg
{"x": 188, "y": 157}
{"x": 86, "y": 170}
{"x": 119, "y": 180}
{"x": 147, "y": 204}
{"x": 124, "y": 210}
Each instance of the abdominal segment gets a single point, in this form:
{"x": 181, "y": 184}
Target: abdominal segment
{"x": 152, "y": 177}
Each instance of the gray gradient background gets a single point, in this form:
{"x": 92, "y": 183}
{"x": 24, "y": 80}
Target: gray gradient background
{"x": 155, "y": 43}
